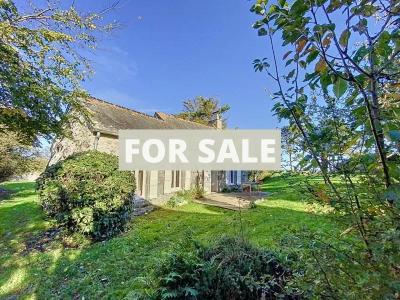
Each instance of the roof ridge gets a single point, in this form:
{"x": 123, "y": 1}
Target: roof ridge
{"x": 123, "y": 107}
{"x": 189, "y": 121}
{"x": 149, "y": 117}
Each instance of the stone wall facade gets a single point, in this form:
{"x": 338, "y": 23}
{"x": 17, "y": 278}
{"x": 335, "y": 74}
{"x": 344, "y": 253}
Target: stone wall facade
{"x": 157, "y": 186}
{"x": 80, "y": 139}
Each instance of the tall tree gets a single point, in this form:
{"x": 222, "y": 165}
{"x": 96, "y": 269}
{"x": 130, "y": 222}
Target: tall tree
{"x": 204, "y": 110}
{"x": 42, "y": 64}
{"x": 348, "y": 55}
{"x": 338, "y": 85}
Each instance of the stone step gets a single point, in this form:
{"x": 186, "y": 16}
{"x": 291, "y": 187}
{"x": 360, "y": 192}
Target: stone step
{"x": 142, "y": 210}
{"x": 139, "y": 202}
{"x": 141, "y": 206}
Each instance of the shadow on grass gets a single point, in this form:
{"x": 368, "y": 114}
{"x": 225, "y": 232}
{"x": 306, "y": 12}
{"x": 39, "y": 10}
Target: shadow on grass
{"x": 115, "y": 268}
{"x": 18, "y": 189}
{"x": 112, "y": 269}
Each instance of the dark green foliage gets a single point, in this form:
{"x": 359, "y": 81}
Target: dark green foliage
{"x": 230, "y": 269}
{"x": 88, "y": 194}
{"x": 341, "y": 266}
{"x": 339, "y": 92}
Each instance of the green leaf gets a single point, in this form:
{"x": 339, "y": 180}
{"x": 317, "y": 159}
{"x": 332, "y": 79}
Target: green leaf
{"x": 312, "y": 56}
{"x": 340, "y": 87}
{"x": 360, "y": 54}
{"x": 272, "y": 9}
{"x": 298, "y": 8}
{"x": 344, "y": 38}
{"x": 262, "y": 31}
{"x": 290, "y": 75}
{"x": 325, "y": 81}
{"x": 310, "y": 76}
{"x": 396, "y": 39}
{"x": 334, "y": 5}
{"x": 190, "y": 292}
{"x": 383, "y": 45}
{"x": 286, "y": 55}
{"x": 258, "y": 24}
{"x": 258, "y": 9}
{"x": 362, "y": 79}
{"x": 364, "y": 10}
{"x": 289, "y": 62}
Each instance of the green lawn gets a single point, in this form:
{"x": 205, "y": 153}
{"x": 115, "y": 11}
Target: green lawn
{"x": 116, "y": 268}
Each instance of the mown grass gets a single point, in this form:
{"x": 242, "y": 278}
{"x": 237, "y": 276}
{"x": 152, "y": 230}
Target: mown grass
{"x": 119, "y": 267}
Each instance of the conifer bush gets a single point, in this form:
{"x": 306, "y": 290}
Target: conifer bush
{"x": 86, "y": 193}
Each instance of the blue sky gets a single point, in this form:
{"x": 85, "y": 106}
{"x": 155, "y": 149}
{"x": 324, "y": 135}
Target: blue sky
{"x": 168, "y": 50}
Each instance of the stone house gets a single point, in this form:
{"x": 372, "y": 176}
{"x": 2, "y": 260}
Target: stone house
{"x": 102, "y": 134}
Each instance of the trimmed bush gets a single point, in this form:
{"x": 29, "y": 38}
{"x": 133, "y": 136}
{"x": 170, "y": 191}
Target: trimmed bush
{"x": 229, "y": 269}
{"x": 88, "y": 194}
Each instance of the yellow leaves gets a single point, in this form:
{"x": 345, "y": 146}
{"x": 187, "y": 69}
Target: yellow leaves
{"x": 51, "y": 36}
{"x": 13, "y": 112}
{"x": 301, "y": 43}
{"x": 393, "y": 96}
{"x": 326, "y": 42}
{"x": 394, "y": 84}
{"x": 5, "y": 26}
{"x": 321, "y": 66}
{"x": 6, "y": 31}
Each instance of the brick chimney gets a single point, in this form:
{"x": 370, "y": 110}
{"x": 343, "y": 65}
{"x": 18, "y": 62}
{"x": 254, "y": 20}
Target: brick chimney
{"x": 218, "y": 121}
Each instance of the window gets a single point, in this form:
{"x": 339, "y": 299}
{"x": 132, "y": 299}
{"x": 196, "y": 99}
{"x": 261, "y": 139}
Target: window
{"x": 178, "y": 177}
{"x": 140, "y": 182}
{"x": 175, "y": 178}
{"x": 233, "y": 177}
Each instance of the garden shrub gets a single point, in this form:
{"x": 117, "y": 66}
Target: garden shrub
{"x": 180, "y": 198}
{"x": 330, "y": 268}
{"x": 185, "y": 196}
{"x": 229, "y": 269}
{"x": 198, "y": 192}
{"x": 88, "y": 194}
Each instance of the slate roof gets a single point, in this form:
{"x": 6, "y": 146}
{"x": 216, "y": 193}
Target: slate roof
{"x": 109, "y": 118}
